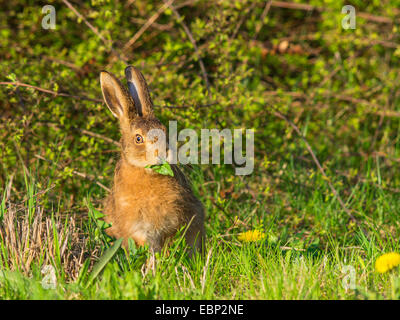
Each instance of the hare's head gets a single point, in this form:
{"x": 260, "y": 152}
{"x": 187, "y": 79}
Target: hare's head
{"x": 144, "y": 137}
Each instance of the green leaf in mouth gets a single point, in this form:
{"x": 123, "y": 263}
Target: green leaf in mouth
{"x": 164, "y": 168}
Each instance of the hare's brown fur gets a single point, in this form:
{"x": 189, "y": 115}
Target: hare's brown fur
{"x": 143, "y": 205}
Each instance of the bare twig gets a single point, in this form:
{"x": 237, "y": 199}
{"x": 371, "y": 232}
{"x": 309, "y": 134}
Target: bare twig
{"x": 61, "y": 94}
{"x": 243, "y": 18}
{"x": 371, "y": 17}
{"x": 162, "y": 27}
{"x": 292, "y": 5}
{"x": 80, "y": 174}
{"x": 65, "y": 63}
{"x": 388, "y": 113}
{"x": 367, "y": 42}
{"x": 196, "y": 49}
{"x": 96, "y": 135}
{"x": 341, "y": 97}
{"x": 142, "y": 30}
{"x": 188, "y": 106}
{"x": 309, "y": 7}
{"x": 185, "y": 4}
{"x": 263, "y": 15}
{"x": 149, "y": 22}
{"x": 56, "y": 94}
{"x": 318, "y": 164}
{"x": 94, "y": 29}
{"x": 84, "y": 131}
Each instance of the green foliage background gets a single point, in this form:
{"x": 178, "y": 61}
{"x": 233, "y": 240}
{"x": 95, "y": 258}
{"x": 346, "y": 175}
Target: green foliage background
{"x": 340, "y": 87}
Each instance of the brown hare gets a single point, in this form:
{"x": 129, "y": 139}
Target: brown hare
{"x": 143, "y": 205}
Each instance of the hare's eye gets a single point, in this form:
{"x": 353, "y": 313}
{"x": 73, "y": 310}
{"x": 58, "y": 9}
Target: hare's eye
{"x": 138, "y": 139}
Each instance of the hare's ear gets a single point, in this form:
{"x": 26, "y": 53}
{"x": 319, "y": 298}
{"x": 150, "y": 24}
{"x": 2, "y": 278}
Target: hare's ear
{"x": 116, "y": 96}
{"x": 139, "y": 92}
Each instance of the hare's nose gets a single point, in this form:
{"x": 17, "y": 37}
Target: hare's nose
{"x": 163, "y": 155}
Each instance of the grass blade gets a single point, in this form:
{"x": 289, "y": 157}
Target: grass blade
{"x": 105, "y": 258}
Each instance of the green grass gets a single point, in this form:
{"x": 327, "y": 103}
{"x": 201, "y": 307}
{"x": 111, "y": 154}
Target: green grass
{"x": 268, "y": 68}
{"x": 304, "y": 255}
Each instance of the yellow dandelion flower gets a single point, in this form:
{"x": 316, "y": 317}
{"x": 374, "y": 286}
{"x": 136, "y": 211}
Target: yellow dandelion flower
{"x": 387, "y": 261}
{"x": 251, "y": 236}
